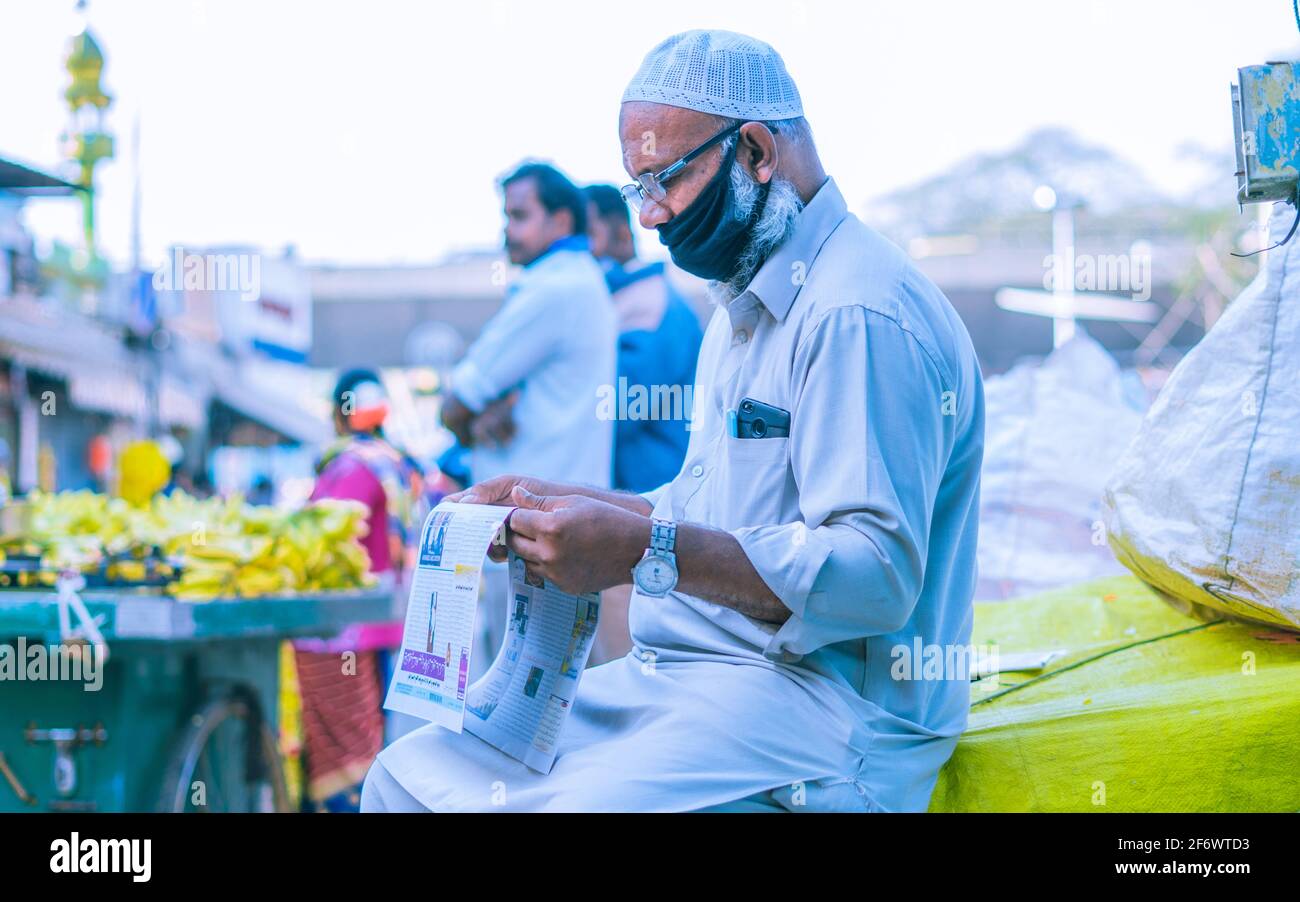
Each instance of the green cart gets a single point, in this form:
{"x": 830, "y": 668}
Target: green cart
{"x": 181, "y": 714}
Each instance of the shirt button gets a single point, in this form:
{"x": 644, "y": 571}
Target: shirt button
{"x": 697, "y": 470}
{"x": 742, "y": 337}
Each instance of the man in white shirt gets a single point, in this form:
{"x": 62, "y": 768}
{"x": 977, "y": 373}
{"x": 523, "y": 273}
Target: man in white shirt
{"x": 551, "y": 347}
{"x": 822, "y": 529}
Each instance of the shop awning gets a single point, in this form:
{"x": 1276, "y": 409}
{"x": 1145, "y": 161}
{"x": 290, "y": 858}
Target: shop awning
{"x": 278, "y": 412}
{"x": 22, "y": 179}
{"x": 102, "y": 375}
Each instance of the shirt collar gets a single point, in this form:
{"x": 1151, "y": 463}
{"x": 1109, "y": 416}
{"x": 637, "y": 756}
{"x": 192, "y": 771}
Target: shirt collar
{"x": 567, "y": 243}
{"x": 779, "y": 279}
{"x": 619, "y": 277}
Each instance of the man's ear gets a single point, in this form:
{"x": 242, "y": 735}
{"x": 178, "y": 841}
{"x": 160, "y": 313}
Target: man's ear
{"x": 757, "y": 150}
{"x": 563, "y": 221}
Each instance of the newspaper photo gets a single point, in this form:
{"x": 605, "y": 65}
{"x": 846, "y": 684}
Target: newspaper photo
{"x": 519, "y": 705}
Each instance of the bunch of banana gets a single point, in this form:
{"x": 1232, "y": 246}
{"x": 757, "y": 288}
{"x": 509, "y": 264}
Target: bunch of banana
{"x": 62, "y": 530}
{"x": 72, "y": 552}
{"x": 324, "y": 537}
{"x": 214, "y": 565}
{"x": 221, "y": 547}
{"x": 311, "y": 549}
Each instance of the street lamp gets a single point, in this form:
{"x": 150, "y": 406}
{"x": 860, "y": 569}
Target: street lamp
{"x": 1046, "y": 198}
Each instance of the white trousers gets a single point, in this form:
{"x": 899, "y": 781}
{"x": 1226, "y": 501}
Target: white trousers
{"x": 383, "y": 794}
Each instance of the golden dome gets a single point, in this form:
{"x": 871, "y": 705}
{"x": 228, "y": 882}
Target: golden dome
{"x": 85, "y": 61}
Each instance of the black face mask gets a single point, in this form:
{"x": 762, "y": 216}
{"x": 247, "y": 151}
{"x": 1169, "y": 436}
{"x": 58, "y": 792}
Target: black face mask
{"x": 705, "y": 239}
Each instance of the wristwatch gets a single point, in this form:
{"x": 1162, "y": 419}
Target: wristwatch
{"x": 656, "y": 573}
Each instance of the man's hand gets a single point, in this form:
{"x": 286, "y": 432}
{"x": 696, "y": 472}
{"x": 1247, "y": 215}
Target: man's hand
{"x": 456, "y": 417}
{"x": 587, "y": 540}
{"x": 500, "y": 491}
{"x": 497, "y": 490}
{"x": 495, "y": 426}
{"x": 575, "y": 542}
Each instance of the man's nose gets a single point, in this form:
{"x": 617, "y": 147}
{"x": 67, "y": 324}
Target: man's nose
{"x": 653, "y": 214}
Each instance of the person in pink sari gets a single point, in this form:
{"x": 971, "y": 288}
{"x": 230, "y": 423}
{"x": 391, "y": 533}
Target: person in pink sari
{"x": 342, "y": 697}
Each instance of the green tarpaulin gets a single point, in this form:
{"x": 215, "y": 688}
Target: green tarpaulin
{"x": 1147, "y": 710}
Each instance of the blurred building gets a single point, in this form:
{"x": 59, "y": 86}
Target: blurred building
{"x": 212, "y": 366}
{"x": 977, "y": 227}
{"x": 91, "y": 358}
{"x": 65, "y": 378}
{"x": 417, "y": 315}
{"x": 971, "y": 270}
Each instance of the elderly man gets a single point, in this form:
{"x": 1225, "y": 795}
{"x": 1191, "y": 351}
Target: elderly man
{"x": 822, "y": 528}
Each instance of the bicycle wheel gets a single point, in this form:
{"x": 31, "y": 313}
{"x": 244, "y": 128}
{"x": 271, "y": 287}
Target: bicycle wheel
{"x": 226, "y": 759}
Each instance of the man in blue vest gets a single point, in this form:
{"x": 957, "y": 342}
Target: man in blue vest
{"x": 658, "y": 342}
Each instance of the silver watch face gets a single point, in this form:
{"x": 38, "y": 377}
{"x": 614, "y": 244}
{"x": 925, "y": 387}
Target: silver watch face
{"x": 655, "y": 575}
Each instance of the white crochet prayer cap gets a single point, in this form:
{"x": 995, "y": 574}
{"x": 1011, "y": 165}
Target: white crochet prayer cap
{"x": 717, "y": 72}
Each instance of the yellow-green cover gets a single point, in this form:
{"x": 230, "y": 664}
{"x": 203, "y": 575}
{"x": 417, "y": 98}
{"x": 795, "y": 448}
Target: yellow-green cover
{"x": 1148, "y": 710}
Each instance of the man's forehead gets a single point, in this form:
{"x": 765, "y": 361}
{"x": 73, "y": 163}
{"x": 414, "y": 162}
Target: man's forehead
{"x": 654, "y": 132}
{"x": 520, "y": 191}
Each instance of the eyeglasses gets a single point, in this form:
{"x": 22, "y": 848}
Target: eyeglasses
{"x": 651, "y": 184}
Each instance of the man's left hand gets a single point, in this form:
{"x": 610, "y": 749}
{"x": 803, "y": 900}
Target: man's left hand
{"x": 577, "y": 543}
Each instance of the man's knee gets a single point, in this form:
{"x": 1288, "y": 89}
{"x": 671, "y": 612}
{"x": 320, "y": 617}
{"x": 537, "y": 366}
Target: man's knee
{"x": 382, "y": 793}
{"x": 370, "y": 801}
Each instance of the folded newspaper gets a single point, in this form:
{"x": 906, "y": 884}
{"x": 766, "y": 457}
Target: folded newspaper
{"x": 520, "y": 704}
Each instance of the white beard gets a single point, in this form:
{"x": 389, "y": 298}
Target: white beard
{"x": 774, "y": 226}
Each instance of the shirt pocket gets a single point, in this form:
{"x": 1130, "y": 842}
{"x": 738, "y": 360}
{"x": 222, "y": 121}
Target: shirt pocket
{"x": 752, "y": 485}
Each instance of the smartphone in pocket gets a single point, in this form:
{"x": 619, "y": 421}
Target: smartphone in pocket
{"x": 754, "y": 419}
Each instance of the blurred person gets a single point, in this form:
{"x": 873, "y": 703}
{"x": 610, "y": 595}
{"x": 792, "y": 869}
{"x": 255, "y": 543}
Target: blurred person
{"x": 492, "y": 428}
{"x": 543, "y": 359}
{"x": 342, "y": 713}
{"x": 658, "y": 342}
{"x": 780, "y": 573}
{"x": 547, "y": 351}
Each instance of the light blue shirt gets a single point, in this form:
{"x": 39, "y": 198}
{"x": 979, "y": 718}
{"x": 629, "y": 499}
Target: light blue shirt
{"x": 555, "y": 340}
{"x": 863, "y": 522}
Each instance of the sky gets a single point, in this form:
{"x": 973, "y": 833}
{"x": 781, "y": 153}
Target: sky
{"x": 373, "y": 132}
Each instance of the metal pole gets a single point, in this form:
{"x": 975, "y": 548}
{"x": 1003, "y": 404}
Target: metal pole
{"x": 26, "y": 471}
{"x": 1063, "y": 272}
